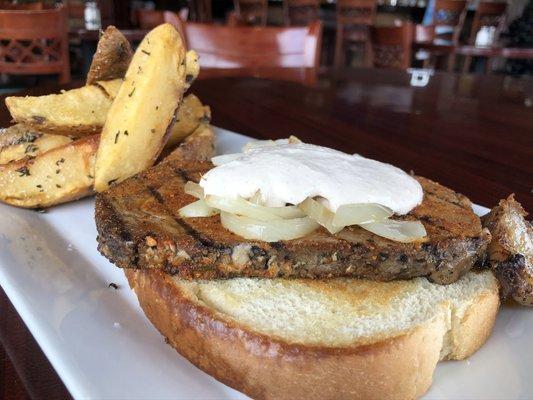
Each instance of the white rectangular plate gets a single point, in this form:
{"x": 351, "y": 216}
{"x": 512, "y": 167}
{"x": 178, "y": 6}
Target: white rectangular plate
{"x": 102, "y": 346}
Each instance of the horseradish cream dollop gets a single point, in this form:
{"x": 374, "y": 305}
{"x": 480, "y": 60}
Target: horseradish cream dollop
{"x": 287, "y": 173}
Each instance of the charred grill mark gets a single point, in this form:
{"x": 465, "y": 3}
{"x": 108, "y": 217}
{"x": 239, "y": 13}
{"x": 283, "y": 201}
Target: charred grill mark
{"x": 207, "y": 243}
{"x": 185, "y": 175}
{"x": 156, "y": 195}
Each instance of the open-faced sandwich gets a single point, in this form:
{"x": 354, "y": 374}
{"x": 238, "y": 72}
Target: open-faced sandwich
{"x": 287, "y": 270}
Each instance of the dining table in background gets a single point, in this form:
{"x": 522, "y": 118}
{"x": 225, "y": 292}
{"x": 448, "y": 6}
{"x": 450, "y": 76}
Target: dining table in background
{"x": 473, "y": 133}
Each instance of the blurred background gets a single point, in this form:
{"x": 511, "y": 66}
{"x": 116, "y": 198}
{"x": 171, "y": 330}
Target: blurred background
{"x": 277, "y": 39}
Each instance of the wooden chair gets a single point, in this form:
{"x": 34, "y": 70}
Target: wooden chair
{"x": 300, "y": 12}
{"x": 23, "y": 6}
{"x": 487, "y": 14}
{"x": 449, "y": 14}
{"x": 423, "y": 44}
{"x": 149, "y": 19}
{"x": 391, "y": 46}
{"x": 249, "y": 12}
{"x": 35, "y": 42}
{"x": 268, "y": 52}
{"x": 354, "y": 19}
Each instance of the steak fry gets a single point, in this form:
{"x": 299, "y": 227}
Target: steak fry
{"x": 511, "y": 249}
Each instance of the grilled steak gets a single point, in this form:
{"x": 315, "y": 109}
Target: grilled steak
{"x": 511, "y": 250}
{"x": 139, "y": 227}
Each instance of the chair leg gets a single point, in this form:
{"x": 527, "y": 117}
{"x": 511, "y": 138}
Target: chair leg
{"x": 64, "y": 76}
{"x": 489, "y": 65}
{"x": 367, "y": 56}
{"x": 451, "y": 62}
{"x": 338, "y": 60}
{"x": 467, "y": 64}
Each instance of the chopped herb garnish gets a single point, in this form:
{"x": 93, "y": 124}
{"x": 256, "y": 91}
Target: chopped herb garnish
{"x": 27, "y": 137}
{"x": 90, "y": 176}
{"x": 39, "y": 186}
{"x": 23, "y": 171}
{"x": 38, "y": 119}
{"x": 116, "y": 136}
{"x": 58, "y": 171}
{"x": 31, "y": 148}
{"x": 145, "y": 52}
{"x": 131, "y": 93}
{"x": 113, "y": 285}
{"x": 152, "y": 130}
{"x": 58, "y": 186}
{"x": 60, "y": 161}
{"x": 139, "y": 70}
{"x": 126, "y": 133}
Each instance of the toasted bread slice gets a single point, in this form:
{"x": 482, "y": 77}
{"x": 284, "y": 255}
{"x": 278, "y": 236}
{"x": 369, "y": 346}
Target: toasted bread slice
{"x": 511, "y": 249}
{"x": 139, "y": 227}
{"x": 330, "y": 339}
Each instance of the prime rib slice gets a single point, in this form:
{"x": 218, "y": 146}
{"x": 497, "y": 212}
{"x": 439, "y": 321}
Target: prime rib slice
{"x": 139, "y": 227}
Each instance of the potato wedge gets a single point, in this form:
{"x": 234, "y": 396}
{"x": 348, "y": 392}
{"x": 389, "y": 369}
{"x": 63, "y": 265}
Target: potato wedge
{"x": 137, "y": 126}
{"x": 190, "y": 115}
{"x": 20, "y": 141}
{"x": 112, "y": 57}
{"x": 76, "y": 112}
{"x": 57, "y": 176}
{"x": 111, "y": 87}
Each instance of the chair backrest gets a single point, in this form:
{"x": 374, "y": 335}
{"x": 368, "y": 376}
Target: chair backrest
{"x": 34, "y": 42}
{"x": 24, "y": 6}
{"x": 488, "y": 14}
{"x": 251, "y": 12}
{"x": 300, "y": 12}
{"x": 270, "y": 52}
{"x": 450, "y": 13}
{"x": 176, "y": 21}
{"x": 149, "y": 19}
{"x": 391, "y": 46}
{"x": 356, "y": 12}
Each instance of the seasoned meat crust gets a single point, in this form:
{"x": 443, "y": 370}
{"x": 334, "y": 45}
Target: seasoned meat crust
{"x": 139, "y": 227}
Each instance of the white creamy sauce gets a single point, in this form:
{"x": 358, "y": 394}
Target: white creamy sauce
{"x": 289, "y": 173}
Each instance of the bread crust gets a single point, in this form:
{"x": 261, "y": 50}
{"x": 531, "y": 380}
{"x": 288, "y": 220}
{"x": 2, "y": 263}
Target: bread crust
{"x": 265, "y": 367}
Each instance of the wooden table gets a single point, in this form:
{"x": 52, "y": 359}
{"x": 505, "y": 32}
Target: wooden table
{"x": 504, "y": 52}
{"x": 472, "y": 133}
